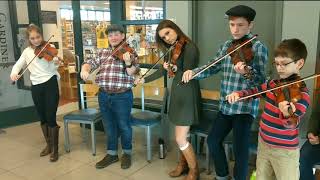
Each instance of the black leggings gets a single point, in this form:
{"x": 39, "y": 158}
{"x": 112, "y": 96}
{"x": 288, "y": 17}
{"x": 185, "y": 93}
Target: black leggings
{"x": 46, "y": 99}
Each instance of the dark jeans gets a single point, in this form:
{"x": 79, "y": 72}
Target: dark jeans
{"x": 116, "y": 110}
{"x": 46, "y": 99}
{"x": 221, "y": 127}
{"x": 309, "y": 156}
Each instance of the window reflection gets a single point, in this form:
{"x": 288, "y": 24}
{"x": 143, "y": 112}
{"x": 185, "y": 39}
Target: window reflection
{"x": 144, "y": 10}
{"x": 141, "y": 38}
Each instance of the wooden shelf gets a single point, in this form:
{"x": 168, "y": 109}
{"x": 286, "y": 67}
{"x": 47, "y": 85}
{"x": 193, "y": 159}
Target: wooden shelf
{"x": 67, "y": 33}
{"x": 68, "y": 82}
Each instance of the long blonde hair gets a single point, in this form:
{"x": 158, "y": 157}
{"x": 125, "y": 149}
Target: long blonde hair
{"x": 30, "y": 28}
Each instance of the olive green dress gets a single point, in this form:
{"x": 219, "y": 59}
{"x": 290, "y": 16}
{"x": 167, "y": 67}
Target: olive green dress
{"x": 184, "y": 107}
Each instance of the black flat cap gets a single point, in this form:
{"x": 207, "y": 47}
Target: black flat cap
{"x": 242, "y": 11}
{"x": 114, "y": 27}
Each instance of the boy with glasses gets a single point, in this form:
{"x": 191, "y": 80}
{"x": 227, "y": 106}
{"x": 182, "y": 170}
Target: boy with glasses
{"x": 278, "y": 151}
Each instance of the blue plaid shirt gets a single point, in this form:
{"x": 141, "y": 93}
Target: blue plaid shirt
{"x": 233, "y": 81}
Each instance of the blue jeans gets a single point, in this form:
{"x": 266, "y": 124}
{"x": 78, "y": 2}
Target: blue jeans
{"x": 309, "y": 156}
{"x": 116, "y": 110}
{"x": 221, "y": 127}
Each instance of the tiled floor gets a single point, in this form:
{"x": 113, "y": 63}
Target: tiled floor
{"x": 21, "y": 145}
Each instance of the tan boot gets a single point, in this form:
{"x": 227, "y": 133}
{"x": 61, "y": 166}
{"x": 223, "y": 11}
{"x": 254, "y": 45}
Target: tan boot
{"x": 47, "y": 149}
{"x": 192, "y": 163}
{"x": 54, "y": 133}
{"x": 181, "y": 168}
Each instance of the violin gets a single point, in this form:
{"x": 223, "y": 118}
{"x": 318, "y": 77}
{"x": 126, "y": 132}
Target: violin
{"x": 48, "y": 52}
{"x": 289, "y": 89}
{"x": 291, "y": 93}
{"x": 122, "y": 49}
{"x": 280, "y": 86}
{"x": 175, "y": 55}
{"x": 216, "y": 61}
{"x": 244, "y": 54}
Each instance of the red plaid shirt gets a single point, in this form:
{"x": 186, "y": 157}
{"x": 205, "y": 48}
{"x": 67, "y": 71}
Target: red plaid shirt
{"x": 112, "y": 75}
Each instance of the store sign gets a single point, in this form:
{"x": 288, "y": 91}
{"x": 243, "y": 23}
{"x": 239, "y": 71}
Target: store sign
{"x": 4, "y": 61}
{"x": 10, "y": 96}
{"x": 6, "y": 41}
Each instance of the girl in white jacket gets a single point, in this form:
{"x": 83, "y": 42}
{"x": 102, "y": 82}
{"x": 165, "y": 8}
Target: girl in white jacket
{"x": 45, "y": 91}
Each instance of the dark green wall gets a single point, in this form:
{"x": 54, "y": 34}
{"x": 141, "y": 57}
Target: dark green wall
{"x": 18, "y": 116}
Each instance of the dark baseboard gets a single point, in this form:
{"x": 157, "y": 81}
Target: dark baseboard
{"x": 17, "y": 117}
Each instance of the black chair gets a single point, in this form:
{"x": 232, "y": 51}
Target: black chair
{"x": 199, "y": 132}
{"x": 155, "y": 97}
{"x": 88, "y": 94}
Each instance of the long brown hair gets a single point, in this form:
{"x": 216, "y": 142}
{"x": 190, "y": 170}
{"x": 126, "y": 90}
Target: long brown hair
{"x": 30, "y": 28}
{"x": 168, "y": 24}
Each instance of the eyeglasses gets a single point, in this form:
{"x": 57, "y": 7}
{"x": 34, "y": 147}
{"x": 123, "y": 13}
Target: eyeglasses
{"x": 281, "y": 65}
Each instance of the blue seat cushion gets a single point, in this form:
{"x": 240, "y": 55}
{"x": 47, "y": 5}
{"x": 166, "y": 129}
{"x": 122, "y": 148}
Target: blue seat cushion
{"x": 88, "y": 114}
{"x": 145, "y": 118}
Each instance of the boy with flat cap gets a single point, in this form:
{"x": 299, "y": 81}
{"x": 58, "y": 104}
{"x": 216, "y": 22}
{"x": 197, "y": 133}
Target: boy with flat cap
{"x": 115, "y": 79}
{"x": 239, "y": 116}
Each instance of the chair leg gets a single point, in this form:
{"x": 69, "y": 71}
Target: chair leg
{"x": 207, "y": 158}
{"x": 66, "y": 137}
{"x": 84, "y": 135}
{"x": 198, "y": 145}
{"x": 226, "y": 149}
{"x": 148, "y": 133}
{"x": 93, "y": 139}
{"x": 193, "y": 141}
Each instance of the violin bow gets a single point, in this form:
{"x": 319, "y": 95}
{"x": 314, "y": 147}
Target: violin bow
{"x": 155, "y": 64}
{"x": 278, "y": 87}
{"x": 214, "y": 62}
{"x": 25, "y": 69}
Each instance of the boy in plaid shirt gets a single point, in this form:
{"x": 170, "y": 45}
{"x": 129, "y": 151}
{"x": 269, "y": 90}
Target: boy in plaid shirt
{"x": 115, "y": 78}
{"x": 238, "y": 116}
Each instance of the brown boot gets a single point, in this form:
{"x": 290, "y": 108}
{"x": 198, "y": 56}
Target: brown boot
{"x": 193, "y": 173}
{"x": 54, "y": 133}
{"x": 47, "y": 149}
{"x": 181, "y": 168}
